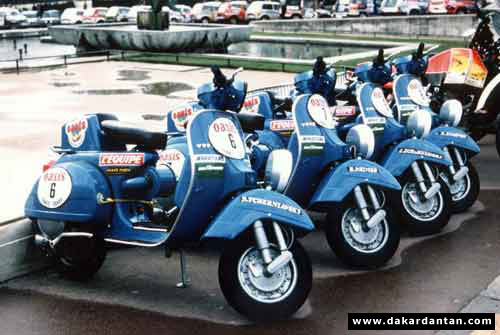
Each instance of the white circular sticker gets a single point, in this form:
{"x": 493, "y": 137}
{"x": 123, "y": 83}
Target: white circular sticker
{"x": 380, "y": 102}
{"x": 54, "y": 187}
{"x": 417, "y": 93}
{"x": 75, "y": 131}
{"x": 173, "y": 158}
{"x": 225, "y": 138}
{"x": 320, "y": 112}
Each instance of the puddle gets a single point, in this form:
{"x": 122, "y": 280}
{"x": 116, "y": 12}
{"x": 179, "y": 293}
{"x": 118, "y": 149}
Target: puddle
{"x": 59, "y": 84}
{"x": 165, "y": 88}
{"x": 133, "y": 75}
{"x": 106, "y": 92}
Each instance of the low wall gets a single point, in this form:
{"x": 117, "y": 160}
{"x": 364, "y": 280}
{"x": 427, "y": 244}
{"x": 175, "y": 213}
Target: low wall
{"x": 439, "y": 26}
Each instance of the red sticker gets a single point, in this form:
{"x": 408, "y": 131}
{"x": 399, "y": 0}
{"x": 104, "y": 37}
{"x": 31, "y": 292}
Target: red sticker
{"x": 282, "y": 125}
{"x": 121, "y": 159}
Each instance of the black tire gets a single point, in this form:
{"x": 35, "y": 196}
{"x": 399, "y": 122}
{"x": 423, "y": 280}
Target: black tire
{"x": 205, "y": 20}
{"x": 233, "y": 20}
{"x": 497, "y": 141}
{"x": 265, "y": 18}
{"x": 242, "y": 302}
{"x": 296, "y": 17}
{"x": 414, "y": 12}
{"x": 417, "y": 226}
{"x": 349, "y": 255}
{"x": 462, "y": 11}
{"x": 461, "y": 205}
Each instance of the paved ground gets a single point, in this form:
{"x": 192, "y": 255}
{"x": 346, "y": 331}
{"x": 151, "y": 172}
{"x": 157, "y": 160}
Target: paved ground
{"x": 134, "y": 292}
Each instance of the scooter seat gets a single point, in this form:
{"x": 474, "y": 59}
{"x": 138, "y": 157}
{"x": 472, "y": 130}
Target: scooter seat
{"x": 129, "y": 133}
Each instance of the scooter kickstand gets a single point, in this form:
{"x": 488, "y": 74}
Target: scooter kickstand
{"x": 184, "y": 281}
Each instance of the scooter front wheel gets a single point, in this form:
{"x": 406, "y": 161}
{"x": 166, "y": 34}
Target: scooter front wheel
{"x": 422, "y": 216}
{"x": 354, "y": 243}
{"x": 465, "y": 191}
{"x": 256, "y": 294}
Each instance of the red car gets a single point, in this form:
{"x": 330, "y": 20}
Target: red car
{"x": 452, "y": 7}
{"x": 233, "y": 12}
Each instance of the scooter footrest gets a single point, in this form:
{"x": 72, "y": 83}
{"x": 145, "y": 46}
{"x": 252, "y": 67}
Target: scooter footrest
{"x": 150, "y": 226}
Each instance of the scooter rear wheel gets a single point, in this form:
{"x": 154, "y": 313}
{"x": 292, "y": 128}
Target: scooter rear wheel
{"x": 355, "y": 246}
{"x": 255, "y": 295}
{"x": 77, "y": 258}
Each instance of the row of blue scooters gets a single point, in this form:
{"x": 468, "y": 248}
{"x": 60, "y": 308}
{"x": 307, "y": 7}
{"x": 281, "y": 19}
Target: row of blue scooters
{"x": 238, "y": 173}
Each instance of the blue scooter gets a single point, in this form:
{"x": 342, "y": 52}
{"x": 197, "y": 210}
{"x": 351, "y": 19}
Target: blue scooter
{"x": 326, "y": 176}
{"x": 410, "y": 96}
{"x": 98, "y": 191}
{"x": 416, "y": 163}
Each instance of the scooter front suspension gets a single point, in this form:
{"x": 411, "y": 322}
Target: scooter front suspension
{"x": 272, "y": 265}
{"x": 463, "y": 169}
{"x": 379, "y": 215}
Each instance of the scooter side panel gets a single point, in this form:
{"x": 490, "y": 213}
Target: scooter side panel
{"x": 255, "y": 205}
{"x": 448, "y": 136}
{"x": 339, "y": 182}
{"x": 400, "y": 157}
{"x": 68, "y": 192}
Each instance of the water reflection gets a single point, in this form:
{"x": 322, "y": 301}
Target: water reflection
{"x": 34, "y": 47}
{"x": 133, "y": 75}
{"x": 292, "y": 51}
{"x": 159, "y": 88}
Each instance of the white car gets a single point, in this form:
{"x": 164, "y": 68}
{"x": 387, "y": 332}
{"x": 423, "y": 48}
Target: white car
{"x": 51, "y": 17}
{"x": 72, "y": 16}
{"x": 117, "y": 14}
{"x": 186, "y": 13}
{"x": 132, "y": 13}
{"x": 173, "y": 15}
{"x": 263, "y": 10}
{"x": 11, "y": 17}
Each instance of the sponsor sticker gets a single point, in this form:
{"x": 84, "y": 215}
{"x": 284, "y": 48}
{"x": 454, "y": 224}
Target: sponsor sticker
{"x": 380, "y": 103}
{"x": 251, "y": 104}
{"x": 121, "y": 159}
{"x": 54, "y": 187}
{"x": 226, "y": 139}
{"x": 411, "y": 151}
{"x": 118, "y": 171}
{"x": 362, "y": 169}
{"x": 451, "y": 134}
{"x": 181, "y": 115}
{"x": 320, "y": 112}
{"x": 417, "y": 93}
{"x": 282, "y": 126}
{"x": 209, "y": 166}
{"x": 312, "y": 145}
{"x": 75, "y": 132}
{"x": 173, "y": 158}
{"x": 377, "y": 124}
{"x": 343, "y": 111}
{"x": 271, "y": 203}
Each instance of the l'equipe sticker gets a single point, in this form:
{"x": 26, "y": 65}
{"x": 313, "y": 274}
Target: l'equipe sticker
{"x": 343, "y": 111}
{"x": 226, "y": 139}
{"x": 54, "y": 187}
{"x": 121, "y": 159}
{"x": 173, "y": 158}
{"x": 380, "y": 102}
{"x": 75, "y": 131}
{"x": 319, "y": 111}
{"x": 417, "y": 93}
{"x": 282, "y": 125}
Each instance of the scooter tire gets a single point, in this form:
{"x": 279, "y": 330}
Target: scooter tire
{"x": 241, "y": 301}
{"x": 464, "y": 204}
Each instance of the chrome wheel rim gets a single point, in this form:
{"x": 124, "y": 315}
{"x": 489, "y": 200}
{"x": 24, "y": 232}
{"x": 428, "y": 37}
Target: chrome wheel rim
{"x": 367, "y": 242}
{"x": 459, "y": 189}
{"x": 426, "y": 210}
{"x": 265, "y": 289}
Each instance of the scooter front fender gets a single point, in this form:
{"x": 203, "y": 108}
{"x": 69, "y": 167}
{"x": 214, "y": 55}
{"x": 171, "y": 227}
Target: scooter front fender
{"x": 339, "y": 182}
{"x": 248, "y": 207}
{"x": 448, "y": 136}
{"x": 399, "y": 158}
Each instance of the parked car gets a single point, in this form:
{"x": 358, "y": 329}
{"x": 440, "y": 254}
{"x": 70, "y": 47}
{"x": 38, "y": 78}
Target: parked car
{"x": 404, "y": 7}
{"x": 452, "y": 7}
{"x": 72, "y": 16}
{"x": 263, "y": 10}
{"x": 132, "y": 13}
{"x": 51, "y": 17}
{"x": 361, "y": 8}
{"x": 33, "y": 19}
{"x": 173, "y": 15}
{"x": 323, "y": 13}
{"x": 342, "y": 8}
{"x": 206, "y": 12}
{"x": 95, "y": 15}
{"x": 233, "y": 12}
{"x": 11, "y": 17}
{"x": 186, "y": 12}
{"x": 117, "y": 14}
{"x": 294, "y": 10}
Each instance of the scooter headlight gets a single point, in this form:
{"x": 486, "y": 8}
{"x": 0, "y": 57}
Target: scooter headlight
{"x": 419, "y": 123}
{"x": 361, "y": 137}
{"x": 278, "y": 169}
{"x": 451, "y": 112}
